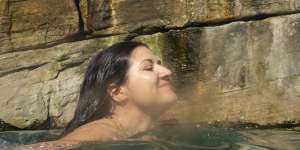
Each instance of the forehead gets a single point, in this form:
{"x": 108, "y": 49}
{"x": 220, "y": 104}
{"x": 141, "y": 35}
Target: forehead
{"x": 141, "y": 52}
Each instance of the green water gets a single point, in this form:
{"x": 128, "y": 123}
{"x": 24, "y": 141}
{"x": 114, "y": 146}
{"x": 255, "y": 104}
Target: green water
{"x": 179, "y": 138}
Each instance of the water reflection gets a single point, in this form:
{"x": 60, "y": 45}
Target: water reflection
{"x": 179, "y": 138}
{"x": 288, "y": 139}
{"x": 182, "y": 138}
{"x": 15, "y": 138}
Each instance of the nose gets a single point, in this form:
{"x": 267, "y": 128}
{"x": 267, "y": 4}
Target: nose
{"x": 164, "y": 71}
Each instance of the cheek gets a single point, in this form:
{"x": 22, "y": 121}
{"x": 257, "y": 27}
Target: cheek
{"x": 167, "y": 95}
{"x": 143, "y": 88}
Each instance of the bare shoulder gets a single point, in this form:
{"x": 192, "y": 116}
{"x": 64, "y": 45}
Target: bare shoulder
{"x": 99, "y": 130}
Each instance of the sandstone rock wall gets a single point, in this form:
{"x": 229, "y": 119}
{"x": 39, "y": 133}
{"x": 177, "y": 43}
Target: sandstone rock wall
{"x": 233, "y": 60}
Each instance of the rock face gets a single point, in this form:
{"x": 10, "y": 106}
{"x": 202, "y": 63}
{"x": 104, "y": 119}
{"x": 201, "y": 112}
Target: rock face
{"x": 114, "y": 17}
{"x": 27, "y": 24}
{"x": 252, "y": 66}
{"x": 233, "y": 60}
{"x": 42, "y": 84}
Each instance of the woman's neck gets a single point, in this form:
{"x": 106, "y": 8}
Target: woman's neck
{"x": 132, "y": 120}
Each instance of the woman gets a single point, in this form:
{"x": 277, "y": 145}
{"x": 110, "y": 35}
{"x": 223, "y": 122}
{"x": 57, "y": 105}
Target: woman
{"x": 125, "y": 89}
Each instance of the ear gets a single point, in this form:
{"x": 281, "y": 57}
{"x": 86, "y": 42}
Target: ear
{"x": 117, "y": 93}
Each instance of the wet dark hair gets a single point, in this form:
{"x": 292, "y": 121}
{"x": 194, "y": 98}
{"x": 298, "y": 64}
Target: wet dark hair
{"x": 108, "y": 66}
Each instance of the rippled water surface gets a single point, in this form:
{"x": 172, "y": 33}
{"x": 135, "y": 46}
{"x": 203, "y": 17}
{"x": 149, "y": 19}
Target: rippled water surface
{"x": 179, "y": 138}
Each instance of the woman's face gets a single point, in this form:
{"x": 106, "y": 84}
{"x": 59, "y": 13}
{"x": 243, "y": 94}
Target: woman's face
{"x": 148, "y": 85}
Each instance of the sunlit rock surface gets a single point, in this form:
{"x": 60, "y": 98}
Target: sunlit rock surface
{"x": 25, "y": 24}
{"x": 41, "y": 86}
{"x": 233, "y": 60}
{"x": 113, "y": 17}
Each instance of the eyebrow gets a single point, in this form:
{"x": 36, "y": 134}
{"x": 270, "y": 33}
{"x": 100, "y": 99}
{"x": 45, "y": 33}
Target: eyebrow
{"x": 151, "y": 60}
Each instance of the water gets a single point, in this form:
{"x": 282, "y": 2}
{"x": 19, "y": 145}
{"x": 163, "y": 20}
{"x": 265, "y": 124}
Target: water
{"x": 15, "y": 138}
{"x": 178, "y": 138}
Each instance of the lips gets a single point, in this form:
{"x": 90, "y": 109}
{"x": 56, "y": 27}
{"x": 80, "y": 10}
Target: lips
{"x": 167, "y": 84}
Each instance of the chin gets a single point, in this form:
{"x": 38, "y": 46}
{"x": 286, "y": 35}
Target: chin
{"x": 169, "y": 99}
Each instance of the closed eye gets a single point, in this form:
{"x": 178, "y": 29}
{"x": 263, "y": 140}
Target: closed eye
{"x": 150, "y": 68}
{"x": 149, "y": 64}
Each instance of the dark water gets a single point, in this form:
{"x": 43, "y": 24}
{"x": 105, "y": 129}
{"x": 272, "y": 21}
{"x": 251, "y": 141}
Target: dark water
{"x": 15, "y": 138}
{"x": 178, "y": 138}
